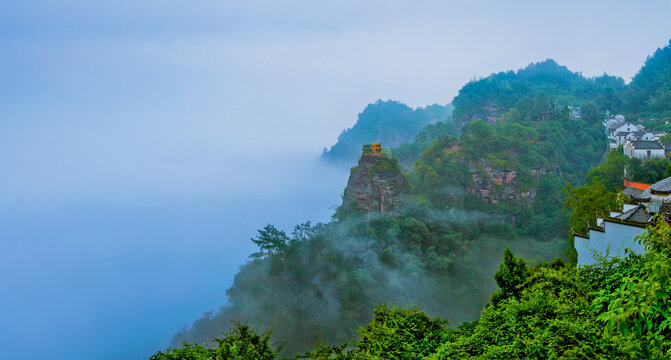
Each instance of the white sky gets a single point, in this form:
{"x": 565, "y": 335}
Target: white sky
{"x": 129, "y": 91}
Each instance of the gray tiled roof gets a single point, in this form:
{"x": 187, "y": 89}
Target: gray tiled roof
{"x": 647, "y": 145}
{"x": 616, "y": 125}
{"x": 644, "y": 196}
{"x": 632, "y": 191}
{"x": 661, "y": 187}
{"x": 637, "y": 214}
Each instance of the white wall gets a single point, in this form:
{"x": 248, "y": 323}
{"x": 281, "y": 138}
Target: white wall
{"x": 643, "y": 154}
{"x": 626, "y": 127}
{"x": 616, "y": 238}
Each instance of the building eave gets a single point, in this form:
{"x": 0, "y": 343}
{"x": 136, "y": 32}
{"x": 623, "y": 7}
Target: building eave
{"x": 626, "y": 222}
{"x": 579, "y": 234}
{"x": 596, "y": 228}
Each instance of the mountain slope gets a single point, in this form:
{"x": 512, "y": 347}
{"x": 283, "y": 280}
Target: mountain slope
{"x": 648, "y": 96}
{"x": 499, "y": 184}
{"x": 491, "y": 97}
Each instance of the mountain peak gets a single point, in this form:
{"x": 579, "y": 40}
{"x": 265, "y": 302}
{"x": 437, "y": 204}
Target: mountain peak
{"x": 375, "y": 184}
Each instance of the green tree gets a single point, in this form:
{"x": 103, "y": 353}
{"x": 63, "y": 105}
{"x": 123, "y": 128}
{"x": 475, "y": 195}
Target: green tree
{"x": 325, "y": 352}
{"x": 610, "y": 100}
{"x": 588, "y": 201}
{"x": 511, "y": 274}
{"x": 186, "y": 352}
{"x": 648, "y": 172}
{"x": 550, "y": 318}
{"x": 243, "y": 343}
{"x": 270, "y": 241}
{"x": 590, "y": 113}
{"x": 240, "y": 343}
{"x": 611, "y": 171}
{"x": 637, "y": 306}
{"x": 400, "y": 333}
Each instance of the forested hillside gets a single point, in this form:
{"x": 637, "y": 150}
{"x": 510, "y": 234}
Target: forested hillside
{"x": 648, "y": 96}
{"x": 642, "y": 99}
{"x": 491, "y": 97}
{"x": 616, "y": 309}
{"x": 502, "y": 183}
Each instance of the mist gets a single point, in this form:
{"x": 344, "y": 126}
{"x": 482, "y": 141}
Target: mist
{"x": 322, "y": 287}
{"x": 119, "y": 278}
{"x": 142, "y": 144}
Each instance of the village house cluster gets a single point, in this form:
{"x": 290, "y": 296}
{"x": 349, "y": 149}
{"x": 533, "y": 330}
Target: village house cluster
{"x": 617, "y": 231}
{"x": 637, "y": 141}
{"x": 574, "y": 112}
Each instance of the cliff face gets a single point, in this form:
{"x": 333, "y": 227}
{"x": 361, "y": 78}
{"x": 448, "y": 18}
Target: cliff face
{"x": 491, "y": 111}
{"x": 375, "y": 185}
{"x": 494, "y": 184}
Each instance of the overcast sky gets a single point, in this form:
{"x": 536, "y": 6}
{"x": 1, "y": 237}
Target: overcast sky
{"x": 173, "y": 81}
{"x": 143, "y": 142}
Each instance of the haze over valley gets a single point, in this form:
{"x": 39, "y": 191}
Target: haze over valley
{"x": 143, "y": 144}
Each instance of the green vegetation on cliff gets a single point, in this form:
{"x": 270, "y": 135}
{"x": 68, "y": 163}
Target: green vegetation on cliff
{"x": 490, "y": 97}
{"x": 616, "y": 309}
{"x": 499, "y": 185}
{"x": 648, "y": 96}
{"x": 440, "y": 242}
{"x": 515, "y": 168}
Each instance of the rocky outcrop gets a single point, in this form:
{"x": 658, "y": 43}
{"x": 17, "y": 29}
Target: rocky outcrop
{"x": 375, "y": 185}
{"x": 494, "y": 184}
{"x": 490, "y": 111}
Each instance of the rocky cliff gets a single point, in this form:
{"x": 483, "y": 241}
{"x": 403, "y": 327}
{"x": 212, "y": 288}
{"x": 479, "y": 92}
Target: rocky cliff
{"x": 494, "y": 183}
{"x": 376, "y": 184}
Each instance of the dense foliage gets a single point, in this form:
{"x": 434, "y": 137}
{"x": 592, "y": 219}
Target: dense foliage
{"x": 500, "y": 183}
{"x": 494, "y": 95}
{"x": 321, "y": 282}
{"x": 648, "y": 96}
{"x": 410, "y": 152}
{"x": 240, "y": 343}
{"x": 529, "y": 142}
{"x": 619, "y": 308}
{"x": 599, "y": 195}
{"x": 589, "y": 201}
{"x": 618, "y": 166}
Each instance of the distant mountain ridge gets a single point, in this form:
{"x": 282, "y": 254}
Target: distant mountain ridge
{"x": 396, "y": 125}
{"x": 390, "y": 122}
{"x": 648, "y": 96}
{"x": 490, "y": 97}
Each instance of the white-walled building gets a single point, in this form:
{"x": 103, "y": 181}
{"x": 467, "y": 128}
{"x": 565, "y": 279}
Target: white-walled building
{"x": 620, "y": 131}
{"x": 618, "y": 231}
{"x": 644, "y": 149}
{"x": 612, "y": 235}
{"x": 607, "y": 123}
{"x": 575, "y": 112}
{"x": 625, "y": 127}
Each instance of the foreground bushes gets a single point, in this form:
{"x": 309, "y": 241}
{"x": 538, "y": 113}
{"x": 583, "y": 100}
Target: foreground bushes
{"x": 617, "y": 309}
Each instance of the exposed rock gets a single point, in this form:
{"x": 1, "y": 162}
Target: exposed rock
{"x": 490, "y": 111}
{"x": 375, "y": 185}
{"x": 494, "y": 184}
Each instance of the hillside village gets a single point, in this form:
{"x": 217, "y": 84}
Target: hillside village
{"x": 638, "y": 142}
{"x": 616, "y": 231}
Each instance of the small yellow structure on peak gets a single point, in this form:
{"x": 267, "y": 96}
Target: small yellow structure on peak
{"x": 376, "y": 147}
